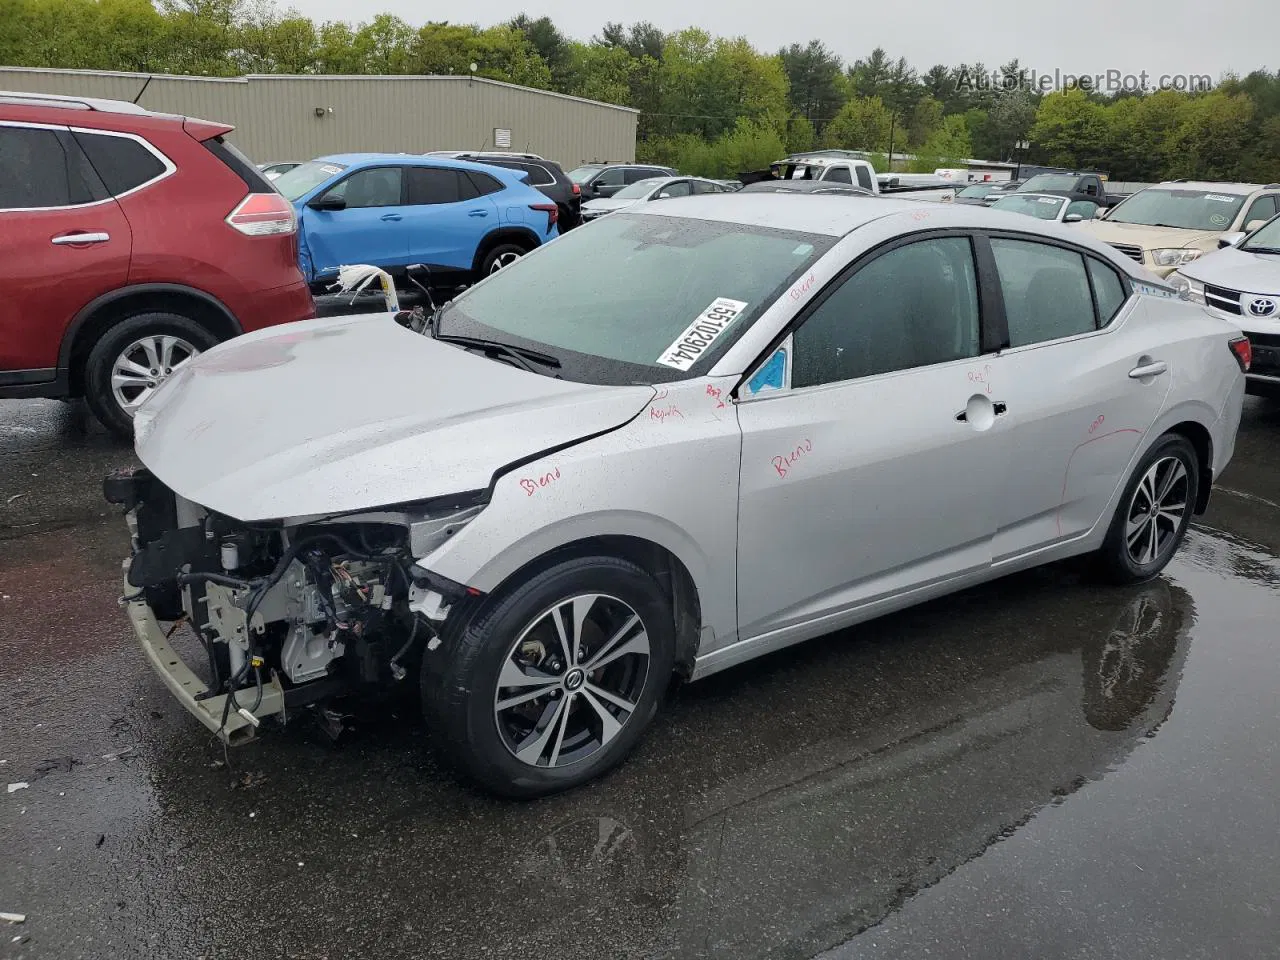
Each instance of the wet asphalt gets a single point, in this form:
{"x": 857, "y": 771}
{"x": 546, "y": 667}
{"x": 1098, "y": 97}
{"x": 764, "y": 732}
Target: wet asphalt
{"x": 1038, "y": 768}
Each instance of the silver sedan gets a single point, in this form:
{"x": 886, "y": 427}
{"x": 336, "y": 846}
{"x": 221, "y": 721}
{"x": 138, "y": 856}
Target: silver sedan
{"x": 754, "y": 419}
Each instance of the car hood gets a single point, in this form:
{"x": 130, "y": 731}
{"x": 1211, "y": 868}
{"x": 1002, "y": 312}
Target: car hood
{"x": 606, "y": 204}
{"x": 330, "y": 416}
{"x": 1237, "y": 270}
{"x": 1148, "y": 237}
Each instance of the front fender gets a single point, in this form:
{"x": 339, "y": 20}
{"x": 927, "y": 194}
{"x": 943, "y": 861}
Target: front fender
{"x": 669, "y": 477}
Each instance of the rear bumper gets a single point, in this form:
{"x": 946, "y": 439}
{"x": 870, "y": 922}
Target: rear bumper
{"x": 187, "y": 688}
{"x": 270, "y": 308}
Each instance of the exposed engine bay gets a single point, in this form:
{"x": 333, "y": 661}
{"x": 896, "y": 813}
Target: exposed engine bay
{"x": 313, "y": 609}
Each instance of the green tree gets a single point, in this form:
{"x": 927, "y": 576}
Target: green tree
{"x": 817, "y": 89}
{"x": 862, "y": 124}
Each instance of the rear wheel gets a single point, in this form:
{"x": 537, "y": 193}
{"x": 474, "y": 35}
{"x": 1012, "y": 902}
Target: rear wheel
{"x": 554, "y": 682}
{"x": 503, "y": 255}
{"x": 133, "y": 358}
{"x": 1154, "y": 512}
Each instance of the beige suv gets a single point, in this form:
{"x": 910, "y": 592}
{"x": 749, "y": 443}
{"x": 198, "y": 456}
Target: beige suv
{"x": 1167, "y": 226}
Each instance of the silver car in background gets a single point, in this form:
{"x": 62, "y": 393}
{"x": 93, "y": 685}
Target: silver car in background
{"x": 754, "y": 420}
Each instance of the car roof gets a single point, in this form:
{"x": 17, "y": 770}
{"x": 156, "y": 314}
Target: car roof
{"x": 1241, "y": 189}
{"x": 834, "y": 215}
{"x": 416, "y": 160}
{"x": 56, "y": 101}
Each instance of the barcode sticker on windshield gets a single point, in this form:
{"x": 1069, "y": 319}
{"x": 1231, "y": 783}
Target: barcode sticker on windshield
{"x": 329, "y": 168}
{"x": 1219, "y": 197}
{"x": 702, "y": 333}
{"x": 1053, "y": 200}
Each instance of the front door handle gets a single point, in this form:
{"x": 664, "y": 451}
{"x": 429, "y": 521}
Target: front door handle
{"x": 1150, "y": 368}
{"x": 67, "y": 238}
{"x": 391, "y": 216}
{"x": 999, "y": 406}
{"x": 477, "y": 213}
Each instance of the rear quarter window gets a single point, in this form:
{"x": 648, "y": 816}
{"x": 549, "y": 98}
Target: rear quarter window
{"x": 122, "y": 162}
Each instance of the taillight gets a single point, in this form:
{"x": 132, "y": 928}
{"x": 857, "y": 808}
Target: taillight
{"x": 262, "y": 215}
{"x": 1242, "y": 350}
{"x": 551, "y": 210}
{"x": 577, "y": 190}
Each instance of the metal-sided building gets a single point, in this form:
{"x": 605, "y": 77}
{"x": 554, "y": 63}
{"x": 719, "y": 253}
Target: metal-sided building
{"x": 300, "y": 117}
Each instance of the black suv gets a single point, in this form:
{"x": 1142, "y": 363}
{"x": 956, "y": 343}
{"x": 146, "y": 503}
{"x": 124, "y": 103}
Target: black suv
{"x": 545, "y": 176}
{"x": 606, "y": 179}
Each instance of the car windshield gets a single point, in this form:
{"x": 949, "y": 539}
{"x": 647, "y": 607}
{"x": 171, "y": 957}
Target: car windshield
{"x": 1049, "y": 181}
{"x": 979, "y": 191}
{"x": 639, "y": 283}
{"x": 639, "y": 189}
{"x": 1265, "y": 239}
{"x": 305, "y": 177}
{"x": 581, "y": 175}
{"x": 1046, "y": 208}
{"x": 1171, "y": 207}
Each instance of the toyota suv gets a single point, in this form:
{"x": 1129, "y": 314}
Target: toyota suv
{"x": 130, "y": 241}
{"x": 1171, "y": 224}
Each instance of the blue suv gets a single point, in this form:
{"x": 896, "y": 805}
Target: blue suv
{"x": 463, "y": 220}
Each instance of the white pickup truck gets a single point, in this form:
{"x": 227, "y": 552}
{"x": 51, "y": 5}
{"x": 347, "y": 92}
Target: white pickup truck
{"x": 831, "y": 168}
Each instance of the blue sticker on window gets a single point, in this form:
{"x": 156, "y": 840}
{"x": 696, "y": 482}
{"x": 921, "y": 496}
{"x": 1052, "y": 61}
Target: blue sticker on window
{"x": 773, "y": 375}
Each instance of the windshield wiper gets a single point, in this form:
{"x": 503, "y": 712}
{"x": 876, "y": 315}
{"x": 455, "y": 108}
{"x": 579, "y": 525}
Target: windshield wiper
{"x": 521, "y": 355}
{"x": 1252, "y": 249}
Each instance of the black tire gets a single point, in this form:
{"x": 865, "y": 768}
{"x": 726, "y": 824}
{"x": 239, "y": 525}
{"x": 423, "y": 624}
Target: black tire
{"x": 98, "y": 393}
{"x": 498, "y": 254}
{"x": 1114, "y": 560}
{"x": 460, "y": 677}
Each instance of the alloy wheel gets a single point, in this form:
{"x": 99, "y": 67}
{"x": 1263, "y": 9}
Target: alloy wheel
{"x": 572, "y": 680}
{"x": 145, "y": 364}
{"x": 503, "y": 260}
{"x": 1156, "y": 510}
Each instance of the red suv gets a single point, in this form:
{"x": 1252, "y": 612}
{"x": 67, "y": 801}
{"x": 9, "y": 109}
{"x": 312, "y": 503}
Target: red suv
{"x": 129, "y": 242}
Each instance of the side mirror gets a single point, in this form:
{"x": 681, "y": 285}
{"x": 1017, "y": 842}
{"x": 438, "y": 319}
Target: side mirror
{"x": 1072, "y": 218}
{"x": 328, "y": 203}
{"x": 1253, "y": 225}
{"x": 1229, "y": 239}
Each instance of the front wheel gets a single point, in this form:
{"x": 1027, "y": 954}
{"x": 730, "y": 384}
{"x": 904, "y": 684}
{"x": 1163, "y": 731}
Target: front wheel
{"x": 554, "y": 681}
{"x": 1154, "y": 512}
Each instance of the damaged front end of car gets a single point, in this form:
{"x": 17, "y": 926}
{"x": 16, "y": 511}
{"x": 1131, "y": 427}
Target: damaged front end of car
{"x": 290, "y": 613}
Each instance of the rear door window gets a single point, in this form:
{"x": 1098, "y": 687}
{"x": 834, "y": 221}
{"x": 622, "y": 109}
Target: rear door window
{"x": 864, "y": 178}
{"x": 431, "y": 185}
{"x": 1046, "y": 291}
{"x": 1109, "y": 291}
{"x": 122, "y": 162}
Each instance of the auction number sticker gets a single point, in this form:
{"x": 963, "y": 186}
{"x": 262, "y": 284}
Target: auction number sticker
{"x": 1052, "y": 200}
{"x": 702, "y": 333}
{"x": 330, "y": 169}
{"x": 1219, "y": 197}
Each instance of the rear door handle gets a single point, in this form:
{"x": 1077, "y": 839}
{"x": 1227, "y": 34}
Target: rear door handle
{"x": 391, "y": 216}
{"x": 477, "y": 213}
{"x": 1152, "y": 369}
{"x": 81, "y": 238}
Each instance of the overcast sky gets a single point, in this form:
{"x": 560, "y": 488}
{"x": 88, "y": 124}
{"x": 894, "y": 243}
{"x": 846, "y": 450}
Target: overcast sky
{"x": 1173, "y": 37}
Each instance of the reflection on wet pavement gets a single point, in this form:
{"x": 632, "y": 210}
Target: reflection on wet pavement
{"x": 1040, "y": 767}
